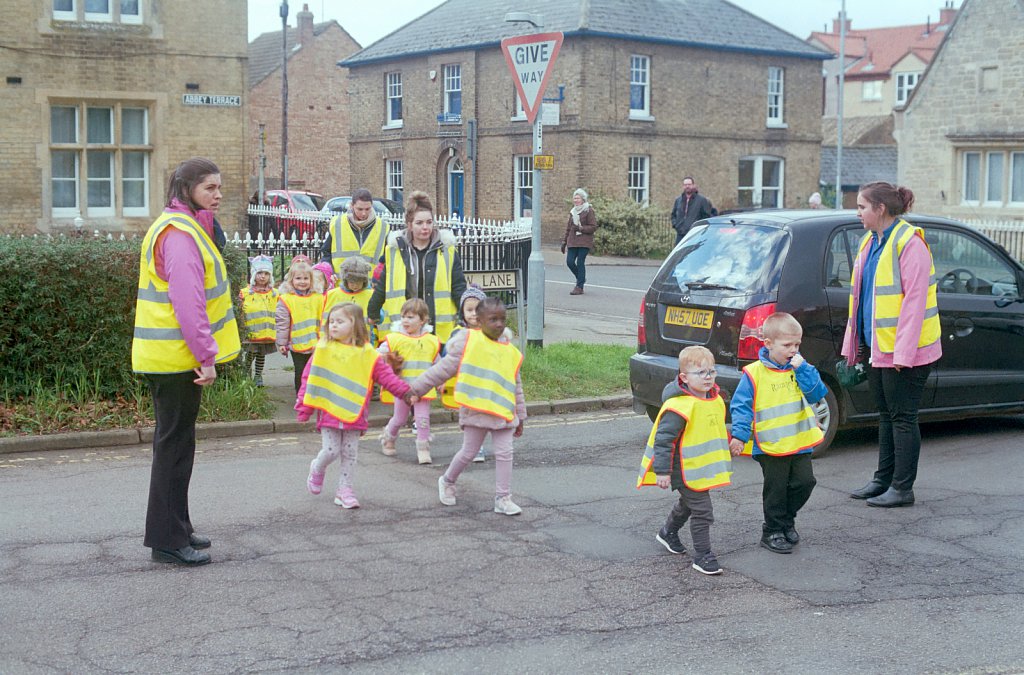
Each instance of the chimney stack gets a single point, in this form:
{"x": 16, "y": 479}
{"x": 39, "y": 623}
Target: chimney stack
{"x": 835, "y": 25}
{"x": 947, "y": 14}
{"x": 304, "y": 20}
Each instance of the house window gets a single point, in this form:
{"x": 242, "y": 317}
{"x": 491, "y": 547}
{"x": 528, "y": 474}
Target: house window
{"x": 453, "y": 93}
{"x": 760, "y": 182}
{"x": 638, "y": 179}
{"x": 972, "y": 178}
{"x": 905, "y": 83}
{"x": 1017, "y": 178}
{"x": 128, "y": 11}
{"x": 518, "y": 112}
{"x": 994, "y": 179}
{"x": 639, "y": 86}
{"x": 989, "y": 79}
{"x": 65, "y": 10}
{"x": 775, "y": 97}
{"x": 110, "y": 145}
{"x": 394, "y": 97}
{"x": 395, "y": 180}
{"x": 871, "y": 90}
{"x": 523, "y": 195}
{"x": 98, "y": 10}
{"x": 131, "y": 11}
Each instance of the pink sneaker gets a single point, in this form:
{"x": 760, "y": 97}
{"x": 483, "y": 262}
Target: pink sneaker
{"x": 346, "y": 499}
{"x": 315, "y": 481}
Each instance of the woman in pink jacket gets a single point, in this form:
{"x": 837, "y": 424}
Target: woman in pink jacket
{"x": 894, "y": 325}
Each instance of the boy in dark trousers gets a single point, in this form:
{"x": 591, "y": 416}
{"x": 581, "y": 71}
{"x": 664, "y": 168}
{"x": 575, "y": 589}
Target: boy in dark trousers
{"x": 688, "y": 450}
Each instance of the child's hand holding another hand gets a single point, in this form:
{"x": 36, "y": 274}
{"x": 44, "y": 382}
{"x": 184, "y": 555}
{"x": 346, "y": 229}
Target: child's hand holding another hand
{"x": 664, "y": 482}
{"x": 736, "y": 447}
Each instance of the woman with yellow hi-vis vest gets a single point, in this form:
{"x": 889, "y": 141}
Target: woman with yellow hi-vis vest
{"x": 489, "y": 392}
{"x": 421, "y": 263}
{"x": 894, "y": 326}
{"x": 297, "y": 319}
{"x": 688, "y": 450}
{"x": 358, "y": 232}
{"x": 337, "y": 383}
{"x": 184, "y": 326}
{"x": 773, "y": 419}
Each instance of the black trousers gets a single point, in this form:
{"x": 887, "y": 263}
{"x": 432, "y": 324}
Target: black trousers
{"x": 176, "y": 406}
{"x": 695, "y": 507}
{"x": 300, "y": 359}
{"x": 897, "y": 395}
{"x": 788, "y": 482}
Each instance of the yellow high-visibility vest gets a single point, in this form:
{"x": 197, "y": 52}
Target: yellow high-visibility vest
{"x": 345, "y": 245}
{"x": 158, "y": 345}
{"x": 339, "y": 296}
{"x": 305, "y": 318}
{"x": 784, "y": 423}
{"x": 418, "y": 354}
{"x": 259, "y": 308}
{"x": 394, "y": 287}
{"x": 486, "y": 380}
{"x": 888, "y": 290}
{"x": 340, "y": 377}
{"x": 703, "y": 447}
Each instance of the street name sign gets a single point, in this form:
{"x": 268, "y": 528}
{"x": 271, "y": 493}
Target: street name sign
{"x": 217, "y": 100}
{"x": 494, "y": 280}
{"x": 530, "y": 59}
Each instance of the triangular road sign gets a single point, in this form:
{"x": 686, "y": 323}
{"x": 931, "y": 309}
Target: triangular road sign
{"x": 530, "y": 58}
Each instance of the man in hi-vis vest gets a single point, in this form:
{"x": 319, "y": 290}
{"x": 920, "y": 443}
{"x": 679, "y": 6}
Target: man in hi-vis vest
{"x": 357, "y": 232}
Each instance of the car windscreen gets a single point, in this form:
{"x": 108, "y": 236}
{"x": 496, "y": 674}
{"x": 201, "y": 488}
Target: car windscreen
{"x": 725, "y": 257}
{"x": 308, "y": 202}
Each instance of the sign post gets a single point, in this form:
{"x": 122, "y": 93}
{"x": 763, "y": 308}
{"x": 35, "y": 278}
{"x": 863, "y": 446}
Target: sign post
{"x": 530, "y": 59}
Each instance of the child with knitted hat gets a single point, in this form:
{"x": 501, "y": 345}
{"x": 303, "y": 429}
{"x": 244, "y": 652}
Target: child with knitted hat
{"x": 353, "y": 286}
{"x": 259, "y": 301}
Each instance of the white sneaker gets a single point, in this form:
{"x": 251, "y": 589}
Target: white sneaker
{"x": 387, "y": 444}
{"x": 480, "y": 456}
{"x": 445, "y": 492}
{"x": 423, "y": 452}
{"x": 506, "y": 506}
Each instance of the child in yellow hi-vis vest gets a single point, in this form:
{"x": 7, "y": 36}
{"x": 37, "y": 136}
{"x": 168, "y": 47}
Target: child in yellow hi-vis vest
{"x": 417, "y": 348}
{"x": 489, "y": 392}
{"x": 259, "y": 302}
{"x": 337, "y": 382}
{"x": 298, "y": 314}
{"x": 772, "y": 418}
{"x": 688, "y": 450}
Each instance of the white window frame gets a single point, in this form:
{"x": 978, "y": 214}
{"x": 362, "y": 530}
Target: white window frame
{"x": 100, "y": 17}
{"x": 1016, "y": 198}
{"x": 86, "y": 151}
{"x": 638, "y": 179}
{"x": 776, "y": 103}
{"x": 65, "y": 15}
{"x": 905, "y": 83}
{"x": 871, "y": 90}
{"x": 518, "y": 111}
{"x": 522, "y": 180}
{"x": 758, "y": 189}
{"x": 979, "y": 186}
{"x": 994, "y": 194}
{"x": 452, "y": 85}
{"x": 640, "y": 76}
{"x": 130, "y": 18}
{"x": 392, "y": 93}
{"x": 395, "y": 180}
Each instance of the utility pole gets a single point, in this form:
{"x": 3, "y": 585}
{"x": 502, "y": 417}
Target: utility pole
{"x": 839, "y": 110}
{"x": 263, "y": 161}
{"x": 284, "y": 94}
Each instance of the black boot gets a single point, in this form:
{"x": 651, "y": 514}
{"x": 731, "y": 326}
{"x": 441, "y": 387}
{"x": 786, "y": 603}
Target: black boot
{"x": 872, "y": 489}
{"x": 893, "y": 497}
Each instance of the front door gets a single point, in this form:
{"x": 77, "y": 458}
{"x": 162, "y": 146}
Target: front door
{"x": 456, "y": 188}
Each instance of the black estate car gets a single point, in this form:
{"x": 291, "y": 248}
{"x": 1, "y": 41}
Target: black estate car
{"x": 730, "y": 272}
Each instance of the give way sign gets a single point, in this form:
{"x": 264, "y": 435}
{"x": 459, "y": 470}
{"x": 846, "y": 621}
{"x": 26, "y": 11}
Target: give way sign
{"x": 530, "y": 58}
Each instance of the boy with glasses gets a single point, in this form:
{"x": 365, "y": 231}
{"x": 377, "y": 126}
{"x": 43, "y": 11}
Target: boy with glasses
{"x": 771, "y": 419}
{"x": 688, "y": 450}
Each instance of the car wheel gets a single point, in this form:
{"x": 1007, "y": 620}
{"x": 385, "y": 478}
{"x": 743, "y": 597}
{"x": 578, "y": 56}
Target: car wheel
{"x": 652, "y": 412}
{"x": 827, "y": 411}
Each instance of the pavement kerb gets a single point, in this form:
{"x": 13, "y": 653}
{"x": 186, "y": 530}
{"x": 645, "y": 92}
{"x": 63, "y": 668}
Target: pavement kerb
{"x": 117, "y": 437}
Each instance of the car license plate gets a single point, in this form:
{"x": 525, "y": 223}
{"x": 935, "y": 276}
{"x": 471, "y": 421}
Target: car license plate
{"x": 689, "y": 317}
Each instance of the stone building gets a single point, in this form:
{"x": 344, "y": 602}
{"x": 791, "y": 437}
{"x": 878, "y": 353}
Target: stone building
{"x": 317, "y": 106}
{"x": 103, "y": 98}
{"x": 961, "y": 134}
{"x": 645, "y": 93}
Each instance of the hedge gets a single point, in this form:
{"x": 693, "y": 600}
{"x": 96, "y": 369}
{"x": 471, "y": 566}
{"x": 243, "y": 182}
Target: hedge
{"x": 626, "y": 228}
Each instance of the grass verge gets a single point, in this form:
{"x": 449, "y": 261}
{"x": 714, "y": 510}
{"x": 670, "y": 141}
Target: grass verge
{"x": 574, "y": 369}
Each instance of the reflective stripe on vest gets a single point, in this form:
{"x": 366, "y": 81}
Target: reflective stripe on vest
{"x": 339, "y": 379}
{"x": 486, "y": 381}
{"x": 784, "y": 423}
{"x": 888, "y": 290}
{"x": 339, "y": 296}
{"x": 444, "y": 309}
{"x": 704, "y": 446}
{"x": 158, "y": 345}
{"x": 344, "y": 243}
{"x": 259, "y": 309}
{"x": 305, "y": 318}
{"x": 419, "y": 354}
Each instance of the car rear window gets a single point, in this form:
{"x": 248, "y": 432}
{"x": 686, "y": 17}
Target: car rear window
{"x": 725, "y": 257}
{"x": 308, "y": 202}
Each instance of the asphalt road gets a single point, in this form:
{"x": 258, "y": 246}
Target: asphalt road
{"x": 576, "y": 583}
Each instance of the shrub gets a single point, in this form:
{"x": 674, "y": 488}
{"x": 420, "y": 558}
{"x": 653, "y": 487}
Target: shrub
{"x": 628, "y": 229}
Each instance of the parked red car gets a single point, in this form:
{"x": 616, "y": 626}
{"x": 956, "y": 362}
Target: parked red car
{"x": 308, "y": 204}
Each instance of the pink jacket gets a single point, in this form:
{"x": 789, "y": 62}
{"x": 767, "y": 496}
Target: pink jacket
{"x": 915, "y": 271}
{"x": 382, "y": 374}
{"x": 446, "y": 368}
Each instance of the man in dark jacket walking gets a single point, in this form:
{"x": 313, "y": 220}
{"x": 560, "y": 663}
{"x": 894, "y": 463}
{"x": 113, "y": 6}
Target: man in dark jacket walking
{"x": 690, "y": 207}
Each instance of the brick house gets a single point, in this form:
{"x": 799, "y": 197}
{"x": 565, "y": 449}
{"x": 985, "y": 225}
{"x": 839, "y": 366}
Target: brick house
{"x": 317, "y": 106}
{"x": 103, "y": 98}
{"x": 961, "y": 134}
{"x": 648, "y": 92}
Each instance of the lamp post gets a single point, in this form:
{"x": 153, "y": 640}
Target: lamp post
{"x": 284, "y": 94}
{"x": 535, "y": 266}
{"x": 839, "y": 104}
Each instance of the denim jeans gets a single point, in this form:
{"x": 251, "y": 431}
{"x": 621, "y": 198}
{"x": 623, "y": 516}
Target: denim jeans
{"x": 576, "y": 259}
{"x": 897, "y": 395}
